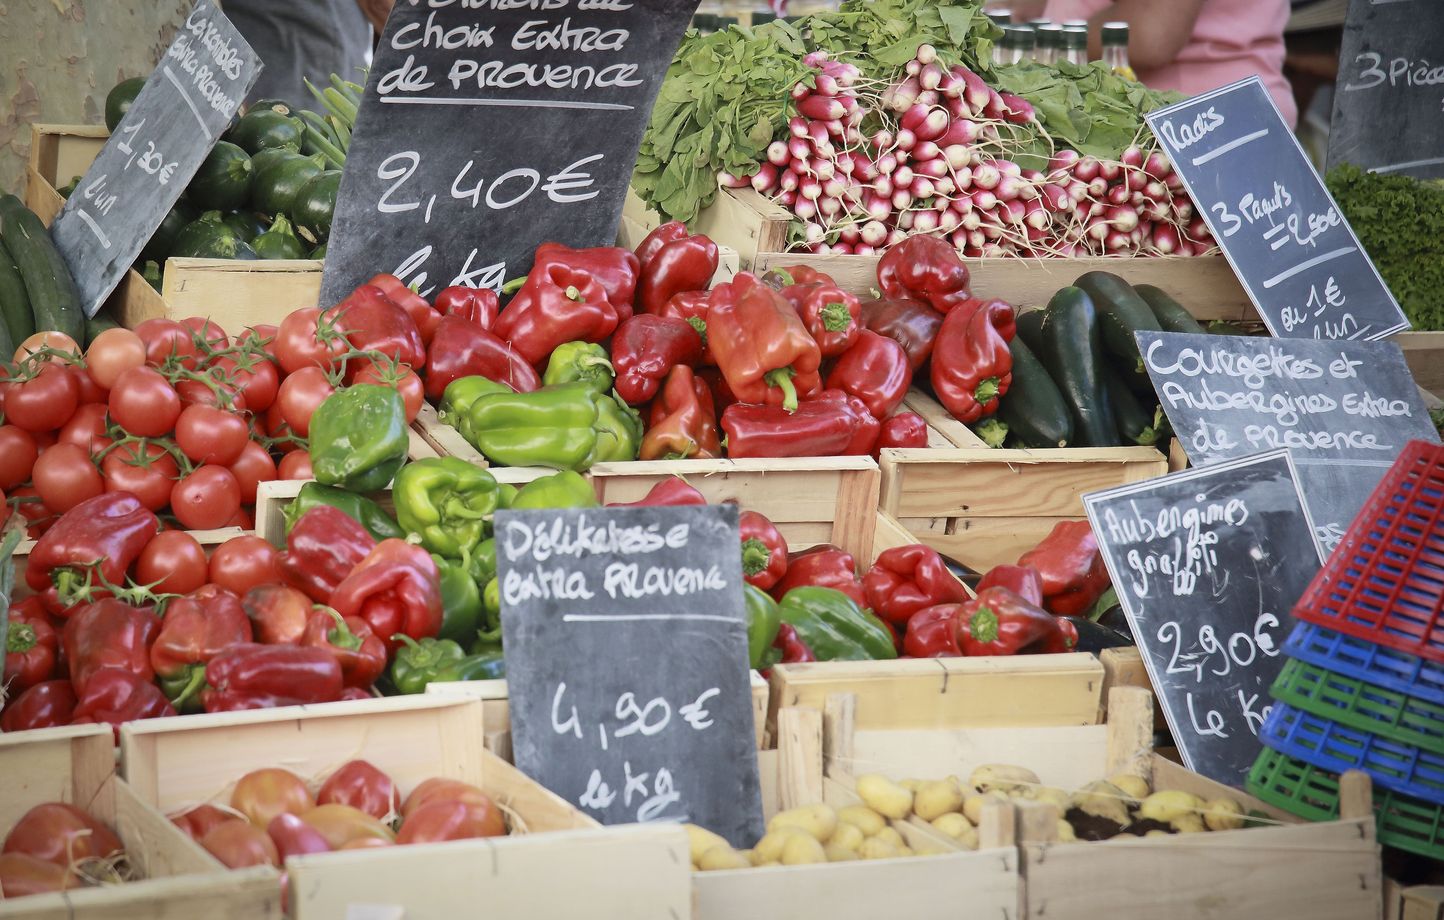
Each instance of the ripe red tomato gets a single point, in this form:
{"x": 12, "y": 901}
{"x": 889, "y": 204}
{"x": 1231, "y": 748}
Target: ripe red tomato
{"x": 147, "y": 471}
{"x": 242, "y": 563}
{"x": 361, "y": 785}
{"x": 437, "y": 821}
{"x": 296, "y": 344}
{"x": 61, "y": 834}
{"x": 45, "y": 402}
{"x": 198, "y": 821}
{"x": 253, "y": 467}
{"x": 209, "y": 435}
{"x": 17, "y": 456}
{"x": 206, "y": 499}
{"x": 87, "y": 390}
{"x": 165, "y": 337}
{"x": 196, "y": 393}
{"x": 439, "y": 789}
{"x": 111, "y": 354}
{"x": 296, "y": 465}
{"x": 238, "y": 844}
{"x": 275, "y": 426}
{"x": 412, "y": 390}
{"x": 65, "y": 476}
{"x": 58, "y": 341}
{"x": 37, "y": 516}
{"x": 144, "y": 403}
{"x": 241, "y": 520}
{"x": 174, "y": 561}
{"x": 300, "y": 394}
{"x": 254, "y": 376}
{"x": 86, "y": 429}
{"x": 294, "y": 837}
{"x": 341, "y": 824}
{"x": 210, "y": 333}
{"x": 278, "y": 613}
{"x": 22, "y": 875}
{"x": 262, "y": 794}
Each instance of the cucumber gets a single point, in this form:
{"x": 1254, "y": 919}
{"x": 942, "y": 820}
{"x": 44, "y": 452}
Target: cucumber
{"x": 54, "y": 298}
{"x": 1030, "y": 329}
{"x": 19, "y": 322}
{"x": 119, "y": 100}
{"x": 95, "y": 325}
{"x": 266, "y": 129}
{"x": 318, "y": 253}
{"x": 277, "y": 186}
{"x": 158, "y": 247}
{"x": 279, "y": 242}
{"x": 224, "y": 180}
{"x": 1137, "y": 424}
{"x": 1033, "y": 409}
{"x": 1170, "y": 313}
{"x": 207, "y": 237}
{"x": 313, "y": 205}
{"x": 247, "y": 224}
{"x": 1073, "y": 354}
{"x": 1121, "y": 312}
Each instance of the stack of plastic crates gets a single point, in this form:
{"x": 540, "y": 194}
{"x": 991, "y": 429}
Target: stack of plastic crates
{"x": 1364, "y": 686}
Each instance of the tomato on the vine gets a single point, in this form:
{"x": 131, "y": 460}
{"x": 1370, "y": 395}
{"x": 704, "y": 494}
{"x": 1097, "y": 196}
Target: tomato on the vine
{"x": 44, "y": 402}
{"x": 86, "y": 429}
{"x": 254, "y": 376}
{"x": 27, "y": 503}
{"x": 17, "y": 455}
{"x": 173, "y": 562}
{"x": 148, "y": 471}
{"x": 213, "y": 335}
{"x": 111, "y": 354}
{"x": 242, "y": 563}
{"x": 300, "y": 394}
{"x": 58, "y": 341}
{"x": 253, "y": 467}
{"x": 403, "y": 379}
{"x": 144, "y": 403}
{"x": 206, "y": 499}
{"x": 296, "y": 465}
{"x": 209, "y": 435}
{"x": 65, "y": 476}
{"x": 165, "y": 337}
{"x": 87, "y": 390}
{"x": 297, "y": 345}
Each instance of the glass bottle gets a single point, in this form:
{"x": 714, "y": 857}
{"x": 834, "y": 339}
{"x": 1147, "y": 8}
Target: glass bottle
{"x": 1050, "y": 43}
{"x": 1003, "y": 48}
{"x": 1115, "y": 49}
{"x": 1075, "y": 45}
{"x": 1025, "y": 43}
{"x": 1000, "y": 17}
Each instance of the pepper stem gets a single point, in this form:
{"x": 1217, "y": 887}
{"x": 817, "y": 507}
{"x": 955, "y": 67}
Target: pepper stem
{"x": 755, "y": 556}
{"x": 782, "y": 379}
{"x": 835, "y": 317}
{"x": 514, "y": 285}
{"x": 987, "y": 391}
{"x": 700, "y": 324}
{"x": 193, "y": 685}
{"x": 984, "y": 625}
{"x": 573, "y": 293}
{"x": 20, "y": 639}
{"x": 341, "y": 635}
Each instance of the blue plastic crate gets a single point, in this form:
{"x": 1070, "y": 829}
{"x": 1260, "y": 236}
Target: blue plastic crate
{"x": 1335, "y": 747}
{"x": 1361, "y": 660}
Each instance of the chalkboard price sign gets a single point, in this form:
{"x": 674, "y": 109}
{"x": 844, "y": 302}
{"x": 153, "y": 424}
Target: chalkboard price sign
{"x": 141, "y": 171}
{"x": 1390, "y": 92}
{"x": 1343, "y": 410}
{"x": 1207, "y": 564}
{"x": 489, "y": 128}
{"x": 626, "y": 651}
{"x": 1294, "y": 253}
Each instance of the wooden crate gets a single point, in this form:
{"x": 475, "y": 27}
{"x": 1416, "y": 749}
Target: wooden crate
{"x": 620, "y": 872}
{"x": 987, "y": 507}
{"x": 76, "y": 764}
{"x": 1424, "y": 353}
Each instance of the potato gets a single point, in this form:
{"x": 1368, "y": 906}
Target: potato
{"x": 700, "y": 840}
{"x": 1188, "y": 823}
{"x": 866, "y": 820}
{"x": 912, "y": 785}
{"x": 772, "y": 863}
{"x": 817, "y": 821}
{"x": 723, "y": 857}
{"x": 953, "y": 824}
{"x": 891, "y": 835}
{"x": 835, "y": 853}
{"x": 848, "y": 836}
{"x": 929, "y": 850}
{"x": 802, "y": 850}
{"x": 1003, "y": 777}
{"x": 968, "y": 840}
{"x": 1065, "y": 832}
{"x": 1156, "y": 833}
{"x": 1102, "y": 799}
{"x": 1222, "y": 814}
{"x": 1050, "y": 795}
{"x": 877, "y": 848}
{"x": 884, "y": 796}
{"x": 937, "y": 798}
{"x": 1135, "y": 787}
{"x": 973, "y": 804}
{"x": 1167, "y": 805}
{"x": 769, "y": 848}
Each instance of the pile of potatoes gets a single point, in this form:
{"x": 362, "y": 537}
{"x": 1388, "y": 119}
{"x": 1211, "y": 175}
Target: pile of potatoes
{"x": 809, "y": 835}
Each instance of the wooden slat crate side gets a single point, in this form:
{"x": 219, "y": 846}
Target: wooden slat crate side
{"x": 953, "y": 432}
{"x": 61, "y": 152}
{"x": 70, "y": 764}
{"x": 236, "y": 294}
{"x": 245, "y": 894}
{"x": 443, "y": 438}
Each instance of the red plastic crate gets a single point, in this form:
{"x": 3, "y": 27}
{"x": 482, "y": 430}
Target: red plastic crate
{"x": 1385, "y": 581}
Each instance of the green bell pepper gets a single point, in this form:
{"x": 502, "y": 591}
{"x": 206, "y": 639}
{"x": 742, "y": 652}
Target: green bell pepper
{"x": 553, "y": 426}
{"x": 834, "y": 626}
{"x": 446, "y": 502}
{"x": 358, "y": 438}
{"x": 483, "y": 561}
{"x": 580, "y": 362}
{"x": 487, "y": 665}
{"x": 362, "y": 509}
{"x": 764, "y": 618}
{"x": 505, "y": 494}
{"x": 457, "y": 399}
{"x": 565, "y": 489}
{"x": 419, "y": 663}
{"x": 460, "y": 601}
{"x": 619, "y": 430}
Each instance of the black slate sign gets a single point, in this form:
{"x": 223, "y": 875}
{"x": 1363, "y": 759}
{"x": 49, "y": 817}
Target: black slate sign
{"x": 1207, "y": 564}
{"x": 488, "y": 128}
{"x": 626, "y": 652}
{"x": 1288, "y": 242}
{"x": 1343, "y": 410}
{"x": 186, "y": 104}
{"x": 1390, "y": 92}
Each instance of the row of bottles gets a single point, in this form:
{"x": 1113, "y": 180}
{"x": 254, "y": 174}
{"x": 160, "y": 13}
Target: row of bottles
{"x": 1048, "y": 42}
{"x": 713, "y": 15}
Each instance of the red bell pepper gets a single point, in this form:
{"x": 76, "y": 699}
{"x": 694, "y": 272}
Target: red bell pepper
{"x": 396, "y": 589}
{"x": 999, "y": 622}
{"x": 277, "y": 613}
{"x": 45, "y": 705}
{"x": 1022, "y": 580}
{"x": 645, "y": 348}
{"x": 372, "y": 322}
{"x": 800, "y": 274}
{"x": 683, "y": 423}
{"x": 832, "y": 316}
{"x": 972, "y": 365}
{"x": 722, "y": 395}
{"x": 115, "y": 695}
{"x": 321, "y": 550}
{"x": 906, "y": 429}
{"x": 875, "y": 370}
{"x": 196, "y": 629}
{"x": 673, "y": 261}
{"x": 477, "y": 305}
{"x": 31, "y": 648}
{"x": 673, "y": 491}
{"x": 557, "y": 304}
{"x": 251, "y": 676}
{"x": 764, "y": 551}
{"x": 464, "y": 349}
{"x": 905, "y": 579}
{"x": 822, "y": 566}
{"x": 422, "y": 313}
{"x": 932, "y": 633}
{"x": 615, "y": 268}
{"x": 762, "y": 347}
{"x": 109, "y": 634}
{"x": 911, "y": 323}
{"x": 692, "y": 307}
{"x": 360, "y": 652}
{"x": 1071, "y": 567}
{"x": 794, "y": 650}
{"x": 924, "y": 268}
{"x": 109, "y": 529}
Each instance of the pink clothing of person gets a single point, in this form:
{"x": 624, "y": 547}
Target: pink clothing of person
{"x": 1231, "y": 40}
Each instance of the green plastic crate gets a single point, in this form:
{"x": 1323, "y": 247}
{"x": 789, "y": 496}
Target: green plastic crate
{"x": 1362, "y": 706}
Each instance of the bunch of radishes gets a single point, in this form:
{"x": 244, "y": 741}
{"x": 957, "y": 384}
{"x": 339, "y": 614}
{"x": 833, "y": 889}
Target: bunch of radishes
{"x": 862, "y": 170}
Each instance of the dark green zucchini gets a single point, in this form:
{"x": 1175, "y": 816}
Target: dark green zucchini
{"x": 247, "y": 224}
{"x": 1170, "y": 314}
{"x": 313, "y": 205}
{"x": 54, "y": 298}
{"x": 1121, "y": 312}
{"x": 268, "y": 158}
{"x": 277, "y": 186}
{"x": 119, "y": 100}
{"x": 266, "y": 129}
{"x": 279, "y": 242}
{"x": 1030, "y": 329}
{"x": 1033, "y": 408}
{"x": 1073, "y": 355}
{"x": 1137, "y": 423}
{"x": 19, "y": 321}
{"x": 224, "y": 179}
{"x": 158, "y": 247}
{"x": 207, "y": 237}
